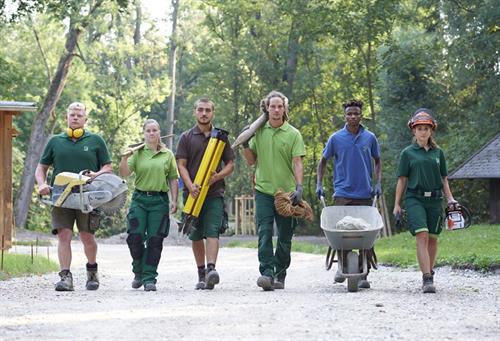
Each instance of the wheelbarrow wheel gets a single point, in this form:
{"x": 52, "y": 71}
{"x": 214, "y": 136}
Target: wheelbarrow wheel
{"x": 352, "y": 268}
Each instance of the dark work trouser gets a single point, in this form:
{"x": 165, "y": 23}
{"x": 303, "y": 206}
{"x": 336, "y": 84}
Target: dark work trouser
{"x": 273, "y": 263}
{"x": 148, "y": 224}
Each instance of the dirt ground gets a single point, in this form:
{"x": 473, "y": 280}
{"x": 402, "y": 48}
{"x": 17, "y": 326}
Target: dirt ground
{"x": 312, "y": 307}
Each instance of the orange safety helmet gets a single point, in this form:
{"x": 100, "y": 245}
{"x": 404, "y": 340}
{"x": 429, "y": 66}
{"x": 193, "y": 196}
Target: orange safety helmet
{"x": 422, "y": 116}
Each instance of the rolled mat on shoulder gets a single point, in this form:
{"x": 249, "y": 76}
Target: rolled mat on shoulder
{"x": 285, "y": 208}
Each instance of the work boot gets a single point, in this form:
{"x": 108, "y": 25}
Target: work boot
{"x": 92, "y": 278}
{"x": 279, "y": 283}
{"x": 201, "y": 278}
{"x": 338, "y": 277}
{"x": 150, "y": 286}
{"x": 137, "y": 282}
{"x": 428, "y": 284}
{"x": 212, "y": 278}
{"x": 66, "y": 282}
{"x": 266, "y": 283}
{"x": 363, "y": 283}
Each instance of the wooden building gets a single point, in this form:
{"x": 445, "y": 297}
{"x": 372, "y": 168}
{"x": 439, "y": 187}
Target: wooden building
{"x": 485, "y": 164}
{"x": 7, "y": 132}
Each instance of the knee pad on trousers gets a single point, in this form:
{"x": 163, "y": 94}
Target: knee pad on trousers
{"x": 135, "y": 245}
{"x": 155, "y": 246}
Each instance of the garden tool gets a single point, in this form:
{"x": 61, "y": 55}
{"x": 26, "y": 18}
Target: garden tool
{"x": 209, "y": 163}
{"x": 457, "y": 217}
{"x": 107, "y": 192}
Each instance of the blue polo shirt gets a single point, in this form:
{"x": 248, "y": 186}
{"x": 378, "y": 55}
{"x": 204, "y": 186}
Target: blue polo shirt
{"x": 352, "y": 158}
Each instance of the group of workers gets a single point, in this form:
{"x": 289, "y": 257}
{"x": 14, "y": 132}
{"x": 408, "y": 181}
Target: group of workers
{"x": 276, "y": 150}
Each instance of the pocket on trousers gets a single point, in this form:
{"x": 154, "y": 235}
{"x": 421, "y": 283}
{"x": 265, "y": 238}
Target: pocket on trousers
{"x": 94, "y": 221}
{"x": 133, "y": 221}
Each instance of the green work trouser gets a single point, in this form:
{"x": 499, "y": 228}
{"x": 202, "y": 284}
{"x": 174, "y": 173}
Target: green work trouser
{"x": 148, "y": 224}
{"x": 273, "y": 263}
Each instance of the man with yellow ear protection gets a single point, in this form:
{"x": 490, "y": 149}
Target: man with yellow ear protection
{"x": 74, "y": 150}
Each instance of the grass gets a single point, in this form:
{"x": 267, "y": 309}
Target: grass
{"x": 474, "y": 248}
{"x": 15, "y": 265}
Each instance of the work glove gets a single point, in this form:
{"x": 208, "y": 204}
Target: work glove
{"x": 320, "y": 192}
{"x": 398, "y": 217}
{"x": 377, "y": 190}
{"x": 297, "y": 195}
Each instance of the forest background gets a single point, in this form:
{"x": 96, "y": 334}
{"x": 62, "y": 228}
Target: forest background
{"x": 118, "y": 58}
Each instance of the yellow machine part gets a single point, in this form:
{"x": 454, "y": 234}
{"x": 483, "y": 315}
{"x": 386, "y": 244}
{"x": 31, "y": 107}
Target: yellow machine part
{"x": 69, "y": 180}
{"x": 209, "y": 162}
{"x": 65, "y": 178}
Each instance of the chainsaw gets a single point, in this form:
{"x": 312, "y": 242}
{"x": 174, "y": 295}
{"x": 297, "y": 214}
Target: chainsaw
{"x": 107, "y": 192}
{"x": 457, "y": 217}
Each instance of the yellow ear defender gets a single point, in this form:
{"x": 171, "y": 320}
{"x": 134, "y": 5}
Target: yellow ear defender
{"x": 75, "y": 133}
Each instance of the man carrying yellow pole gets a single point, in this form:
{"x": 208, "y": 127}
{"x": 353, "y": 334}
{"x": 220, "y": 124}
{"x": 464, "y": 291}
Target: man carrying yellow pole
{"x": 200, "y": 154}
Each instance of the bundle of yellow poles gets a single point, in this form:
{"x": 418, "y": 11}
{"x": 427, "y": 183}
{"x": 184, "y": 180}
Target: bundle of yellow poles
{"x": 209, "y": 163}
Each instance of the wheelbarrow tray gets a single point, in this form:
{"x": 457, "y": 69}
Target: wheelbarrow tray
{"x": 351, "y": 239}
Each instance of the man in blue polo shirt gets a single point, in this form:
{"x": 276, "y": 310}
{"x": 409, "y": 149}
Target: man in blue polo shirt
{"x": 352, "y": 149}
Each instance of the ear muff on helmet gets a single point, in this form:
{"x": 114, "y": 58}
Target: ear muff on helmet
{"x": 422, "y": 116}
{"x": 75, "y": 133}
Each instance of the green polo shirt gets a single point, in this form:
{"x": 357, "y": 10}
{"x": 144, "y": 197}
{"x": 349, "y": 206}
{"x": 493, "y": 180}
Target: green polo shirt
{"x": 275, "y": 148}
{"x": 153, "y": 169}
{"x": 65, "y": 155}
{"x": 424, "y": 168}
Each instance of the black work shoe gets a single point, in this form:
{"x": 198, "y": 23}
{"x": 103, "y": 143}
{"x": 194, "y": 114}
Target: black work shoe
{"x": 266, "y": 283}
{"x": 338, "y": 277}
{"x": 202, "y": 283}
{"x": 279, "y": 284}
{"x": 150, "y": 286}
{"x": 137, "y": 282}
{"x": 363, "y": 283}
{"x": 92, "y": 280}
{"x": 428, "y": 284}
{"x": 66, "y": 282}
{"x": 212, "y": 279}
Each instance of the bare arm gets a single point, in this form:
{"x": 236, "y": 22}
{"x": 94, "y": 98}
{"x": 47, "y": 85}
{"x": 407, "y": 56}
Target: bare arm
{"x": 320, "y": 171}
{"x": 378, "y": 170}
{"x": 193, "y": 189}
{"x": 41, "y": 179}
{"x": 249, "y": 156}
{"x": 174, "y": 192}
{"x": 298, "y": 169}
{"x": 107, "y": 168}
{"x": 124, "y": 170}
{"x": 226, "y": 171}
{"x": 447, "y": 191}
{"x": 400, "y": 189}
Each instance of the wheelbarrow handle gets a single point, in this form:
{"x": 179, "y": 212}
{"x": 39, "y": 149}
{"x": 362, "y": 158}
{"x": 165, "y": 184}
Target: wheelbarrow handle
{"x": 322, "y": 199}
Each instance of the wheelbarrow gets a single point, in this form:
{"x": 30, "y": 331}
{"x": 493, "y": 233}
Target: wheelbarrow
{"x": 350, "y": 265}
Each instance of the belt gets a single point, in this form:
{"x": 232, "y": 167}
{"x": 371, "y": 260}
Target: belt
{"x": 151, "y": 193}
{"x": 429, "y": 194}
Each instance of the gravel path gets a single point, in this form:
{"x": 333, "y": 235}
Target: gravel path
{"x": 312, "y": 307}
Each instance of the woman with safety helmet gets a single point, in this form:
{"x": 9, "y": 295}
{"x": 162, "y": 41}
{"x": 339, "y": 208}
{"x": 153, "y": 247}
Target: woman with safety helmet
{"x": 422, "y": 174}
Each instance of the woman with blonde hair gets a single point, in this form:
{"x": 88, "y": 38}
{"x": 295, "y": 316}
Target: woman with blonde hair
{"x": 148, "y": 220}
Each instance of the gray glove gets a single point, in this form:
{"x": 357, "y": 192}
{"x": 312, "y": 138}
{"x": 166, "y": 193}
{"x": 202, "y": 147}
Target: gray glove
{"x": 320, "y": 192}
{"x": 377, "y": 190}
{"x": 297, "y": 195}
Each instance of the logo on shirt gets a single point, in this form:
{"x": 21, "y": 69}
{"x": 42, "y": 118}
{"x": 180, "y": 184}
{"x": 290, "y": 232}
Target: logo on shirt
{"x": 85, "y": 148}
{"x": 437, "y": 161}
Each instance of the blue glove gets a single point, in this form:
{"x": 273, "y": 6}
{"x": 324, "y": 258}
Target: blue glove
{"x": 320, "y": 192}
{"x": 377, "y": 190}
{"x": 297, "y": 195}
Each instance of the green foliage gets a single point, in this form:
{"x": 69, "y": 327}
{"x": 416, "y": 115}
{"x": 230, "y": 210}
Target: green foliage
{"x": 16, "y": 265}
{"x": 396, "y": 56}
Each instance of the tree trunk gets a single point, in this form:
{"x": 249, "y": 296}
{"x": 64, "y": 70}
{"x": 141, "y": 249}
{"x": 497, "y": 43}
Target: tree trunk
{"x": 172, "y": 61}
{"x": 38, "y": 136}
{"x": 138, "y": 22}
{"x": 291, "y": 62}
